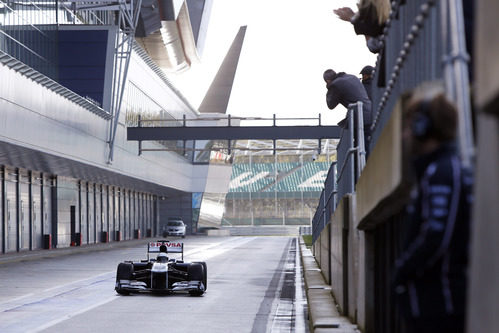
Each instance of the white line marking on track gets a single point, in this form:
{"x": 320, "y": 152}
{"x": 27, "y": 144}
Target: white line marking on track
{"x": 15, "y": 299}
{"x": 300, "y": 300}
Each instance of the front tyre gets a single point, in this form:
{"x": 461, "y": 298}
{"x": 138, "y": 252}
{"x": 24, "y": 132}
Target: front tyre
{"x": 195, "y": 272}
{"x": 196, "y": 292}
{"x": 124, "y": 272}
{"x": 205, "y": 273}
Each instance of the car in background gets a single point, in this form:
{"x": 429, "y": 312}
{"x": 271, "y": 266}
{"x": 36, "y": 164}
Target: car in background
{"x": 174, "y": 227}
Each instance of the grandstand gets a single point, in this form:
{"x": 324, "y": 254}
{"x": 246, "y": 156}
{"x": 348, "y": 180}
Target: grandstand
{"x": 280, "y": 187}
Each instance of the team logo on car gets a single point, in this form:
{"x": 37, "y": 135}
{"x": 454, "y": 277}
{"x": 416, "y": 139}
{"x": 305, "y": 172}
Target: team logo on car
{"x": 167, "y": 244}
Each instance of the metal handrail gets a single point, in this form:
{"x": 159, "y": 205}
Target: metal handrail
{"x": 409, "y": 42}
{"x": 355, "y": 139}
{"x": 456, "y": 76}
{"x": 349, "y": 152}
{"x": 229, "y": 117}
{"x": 360, "y": 139}
{"x": 453, "y": 64}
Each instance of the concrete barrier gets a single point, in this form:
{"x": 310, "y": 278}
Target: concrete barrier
{"x": 325, "y": 261}
{"x": 218, "y": 232}
{"x": 323, "y": 312}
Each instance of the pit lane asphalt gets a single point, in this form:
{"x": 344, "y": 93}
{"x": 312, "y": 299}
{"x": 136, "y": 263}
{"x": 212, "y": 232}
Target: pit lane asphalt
{"x": 61, "y": 293}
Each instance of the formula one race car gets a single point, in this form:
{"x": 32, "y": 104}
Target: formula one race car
{"x": 162, "y": 274}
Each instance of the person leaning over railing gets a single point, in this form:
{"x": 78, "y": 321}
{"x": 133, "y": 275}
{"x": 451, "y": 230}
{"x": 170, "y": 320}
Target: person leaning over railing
{"x": 430, "y": 274}
{"x": 346, "y": 89}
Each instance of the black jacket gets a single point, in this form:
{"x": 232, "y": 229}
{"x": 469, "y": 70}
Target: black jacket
{"x": 430, "y": 274}
{"x": 346, "y": 89}
{"x": 368, "y": 86}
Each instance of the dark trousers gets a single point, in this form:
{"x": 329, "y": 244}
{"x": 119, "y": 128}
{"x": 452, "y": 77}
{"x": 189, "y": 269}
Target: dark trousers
{"x": 367, "y": 139}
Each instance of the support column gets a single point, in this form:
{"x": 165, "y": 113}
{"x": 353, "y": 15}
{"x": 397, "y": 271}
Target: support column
{"x": 30, "y": 208}
{"x": 18, "y": 211}
{"x": 4, "y": 211}
{"x": 54, "y": 215}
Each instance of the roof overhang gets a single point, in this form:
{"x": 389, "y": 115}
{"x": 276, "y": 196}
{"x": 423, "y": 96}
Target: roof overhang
{"x": 173, "y": 46}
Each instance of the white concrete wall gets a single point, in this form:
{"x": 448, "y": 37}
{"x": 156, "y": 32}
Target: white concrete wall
{"x": 38, "y": 118}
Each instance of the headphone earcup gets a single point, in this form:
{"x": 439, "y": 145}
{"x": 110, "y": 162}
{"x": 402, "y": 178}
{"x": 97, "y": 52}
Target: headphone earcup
{"x": 421, "y": 123}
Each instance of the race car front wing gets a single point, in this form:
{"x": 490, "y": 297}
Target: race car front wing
{"x": 183, "y": 286}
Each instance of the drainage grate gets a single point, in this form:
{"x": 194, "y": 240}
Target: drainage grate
{"x": 289, "y": 316}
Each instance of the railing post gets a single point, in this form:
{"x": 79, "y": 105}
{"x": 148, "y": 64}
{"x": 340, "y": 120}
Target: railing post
{"x": 361, "y": 152}
{"x": 324, "y": 209}
{"x": 184, "y": 124}
{"x": 140, "y": 141}
{"x": 456, "y": 74}
{"x": 335, "y": 184}
{"x": 351, "y": 144}
{"x": 228, "y": 141}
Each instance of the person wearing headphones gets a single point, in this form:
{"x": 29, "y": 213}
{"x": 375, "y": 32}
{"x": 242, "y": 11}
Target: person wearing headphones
{"x": 429, "y": 279}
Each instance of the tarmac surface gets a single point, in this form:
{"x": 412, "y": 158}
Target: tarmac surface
{"x": 250, "y": 289}
{"x": 289, "y": 283}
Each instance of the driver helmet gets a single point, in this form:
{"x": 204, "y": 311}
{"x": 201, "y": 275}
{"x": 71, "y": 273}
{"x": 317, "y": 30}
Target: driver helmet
{"x": 162, "y": 257}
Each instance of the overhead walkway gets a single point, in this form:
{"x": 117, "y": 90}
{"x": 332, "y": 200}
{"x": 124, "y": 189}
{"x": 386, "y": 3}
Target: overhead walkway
{"x": 146, "y": 131}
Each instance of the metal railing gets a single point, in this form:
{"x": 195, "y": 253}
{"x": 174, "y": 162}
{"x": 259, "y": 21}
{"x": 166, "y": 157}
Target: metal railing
{"x": 412, "y": 54}
{"x": 423, "y": 40}
{"x": 343, "y": 174}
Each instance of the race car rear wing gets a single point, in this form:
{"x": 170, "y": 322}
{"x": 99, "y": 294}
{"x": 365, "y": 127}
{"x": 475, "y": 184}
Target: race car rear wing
{"x": 165, "y": 246}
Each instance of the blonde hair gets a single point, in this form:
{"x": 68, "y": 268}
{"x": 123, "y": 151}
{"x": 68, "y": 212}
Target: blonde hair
{"x": 383, "y": 8}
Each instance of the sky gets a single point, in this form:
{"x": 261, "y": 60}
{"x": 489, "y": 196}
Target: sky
{"x": 288, "y": 45}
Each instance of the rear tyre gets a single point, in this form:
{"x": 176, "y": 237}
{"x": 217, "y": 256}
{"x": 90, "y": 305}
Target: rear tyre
{"x": 124, "y": 272}
{"x": 195, "y": 273}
